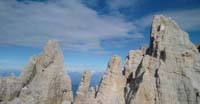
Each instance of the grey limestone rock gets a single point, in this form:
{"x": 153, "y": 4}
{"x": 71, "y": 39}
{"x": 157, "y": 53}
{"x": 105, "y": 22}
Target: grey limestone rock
{"x": 167, "y": 72}
{"x": 43, "y": 81}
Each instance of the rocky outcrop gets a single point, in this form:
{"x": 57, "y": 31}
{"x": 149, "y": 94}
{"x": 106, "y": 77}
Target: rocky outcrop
{"x": 111, "y": 88}
{"x": 169, "y": 72}
{"x": 85, "y": 95}
{"x": 132, "y": 62}
{"x": 43, "y": 81}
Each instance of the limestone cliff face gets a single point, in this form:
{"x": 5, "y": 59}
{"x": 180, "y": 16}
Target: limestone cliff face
{"x": 111, "y": 88}
{"x": 167, "y": 72}
{"x": 43, "y": 81}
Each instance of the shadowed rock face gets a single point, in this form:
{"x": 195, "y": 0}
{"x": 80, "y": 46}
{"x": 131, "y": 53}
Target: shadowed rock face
{"x": 42, "y": 82}
{"x": 167, "y": 72}
{"x": 198, "y": 47}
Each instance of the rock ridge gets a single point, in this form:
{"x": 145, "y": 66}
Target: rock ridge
{"x": 166, "y": 72}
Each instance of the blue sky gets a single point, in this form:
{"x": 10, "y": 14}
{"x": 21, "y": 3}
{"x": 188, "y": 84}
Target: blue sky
{"x": 89, "y": 31}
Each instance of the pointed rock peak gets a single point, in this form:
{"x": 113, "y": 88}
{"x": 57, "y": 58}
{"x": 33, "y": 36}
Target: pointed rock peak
{"x": 42, "y": 81}
{"x": 132, "y": 62}
{"x": 163, "y": 21}
{"x": 114, "y": 63}
{"x": 85, "y": 82}
{"x": 86, "y": 76}
{"x": 83, "y": 90}
{"x": 166, "y": 36}
{"x": 51, "y": 47}
{"x": 52, "y": 53}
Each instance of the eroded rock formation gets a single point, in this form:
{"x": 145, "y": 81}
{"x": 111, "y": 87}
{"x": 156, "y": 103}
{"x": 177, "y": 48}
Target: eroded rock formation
{"x": 84, "y": 95}
{"x": 43, "y": 81}
{"x": 167, "y": 72}
{"x": 111, "y": 88}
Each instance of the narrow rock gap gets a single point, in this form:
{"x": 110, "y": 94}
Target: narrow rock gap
{"x": 163, "y": 55}
{"x": 150, "y": 49}
{"x": 134, "y": 84}
{"x": 159, "y": 28}
{"x": 197, "y": 96}
{"x": 33, "y": 73}
{"x": 157, "y": 79}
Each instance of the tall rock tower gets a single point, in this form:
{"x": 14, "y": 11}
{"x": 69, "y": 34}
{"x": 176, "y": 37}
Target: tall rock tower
{"x": 43, "y": 81}
{"x": 169, "y": 72}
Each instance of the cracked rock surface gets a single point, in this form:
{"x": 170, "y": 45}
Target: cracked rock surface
{"x": 169, "y": 71}
{"x": 43, "y": 81}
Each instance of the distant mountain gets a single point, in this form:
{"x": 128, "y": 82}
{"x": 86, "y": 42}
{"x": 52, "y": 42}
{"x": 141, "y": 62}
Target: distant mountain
{"x": 9, "y": 72}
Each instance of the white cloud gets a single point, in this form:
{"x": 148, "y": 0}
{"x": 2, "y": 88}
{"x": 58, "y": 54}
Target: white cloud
{"x": 72, "y": 23}
{"x": 81, "y": 68}
{"x": 187, "y": 19}
{"x": 117, "y": 4}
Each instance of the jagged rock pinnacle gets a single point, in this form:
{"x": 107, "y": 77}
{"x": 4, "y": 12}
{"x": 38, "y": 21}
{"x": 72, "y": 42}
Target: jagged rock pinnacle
{"x": 166, "y": 36}
{"x": 168, "y": 72}
{"x": 43, "y": 81}
{"x": 83, "y": 90}
{"x": 112, "y": 77}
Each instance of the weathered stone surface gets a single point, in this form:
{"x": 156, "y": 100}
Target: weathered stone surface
{"x": 111, "y": 89}
{"x": 9, "y": 88}
{"x": 169, "y": 73}
{"x": 43, "y": 81}
{"x": 83, "y": 94}
{"x": 132, "y": 62}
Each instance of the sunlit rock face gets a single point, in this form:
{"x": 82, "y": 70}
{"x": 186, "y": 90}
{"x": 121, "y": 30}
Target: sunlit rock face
{"x": 167, "y": 72}
{"x": 111, "y": 88}
{"x": 85, "y": 94}
{"x": 43, "y": 81}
